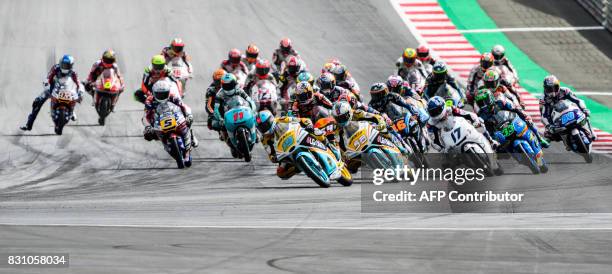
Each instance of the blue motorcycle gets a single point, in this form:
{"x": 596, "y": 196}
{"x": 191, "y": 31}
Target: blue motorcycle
{"x": 569, "y": 122}
{"x": 239, "y": 119}
{"x": 515, "y": 137}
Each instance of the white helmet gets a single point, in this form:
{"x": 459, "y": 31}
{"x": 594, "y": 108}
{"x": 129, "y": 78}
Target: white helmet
{"x": 498, "y": 52}
{"x": 342, "y": 112}
{"x": 161, "y": 90}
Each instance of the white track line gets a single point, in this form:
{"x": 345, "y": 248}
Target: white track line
{"x": 532, "y": 29}
{"x": 317, "y": 227}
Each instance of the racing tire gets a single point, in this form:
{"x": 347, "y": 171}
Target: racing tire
{"x": 104, "y": 109}
{"x": 304, "y": 164}
{"x": 345, "y": 177}
{"x": 176, "y": 152}
{"x": 588, "y": 157}
{"x": 530, "y": 162}
{"x": 242, "y": 138}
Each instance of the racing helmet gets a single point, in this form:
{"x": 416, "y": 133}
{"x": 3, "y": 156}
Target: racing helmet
{"x": 252, "y": 52}
{"x": 551, "y": 86}
{"x": 484, "y": 98}
{"x": 498, "y": 52}
{"x": 423, "y": 52}
{"x": 229, "y": 83}
{"x": 326, "y": 81}
{"x": 303, "y": 92}
{"x": 439, "y": 70}
{"x": 305, "y": 76}
{"x": 265, "y": 121}
{"x": 486, "y": 60}
{"x": 342, "y": 112}
{"x": 218, "y": 74}
{"x": 66, "y": 63}
{"x": 262, "y": 68}
{"x": 177, "y": 45}
{"x": 409, "y": 56}
{"x": 108, "y": 58}
{"x": 285, "y": 45}
{"x": 158, "y": 62}
{"x": 378, "y": 91}
{"x": 491, "y": 78}
{"x": 234, "y": 56}
{"x": 394, "y": 83}
{"x": 161, "y": 90}
{"x": 437, "y": 109}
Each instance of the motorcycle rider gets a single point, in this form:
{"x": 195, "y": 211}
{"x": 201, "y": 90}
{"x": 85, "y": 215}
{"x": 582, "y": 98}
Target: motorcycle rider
{"x": 158, "y": 70}
{"x": 410, "y": 64}
{"x": 380, "y": 97}
{"x": 211, "y": 93}
{"x": 345, "y": 79}
{"x": 439, "y": 77}
{"x": 499, "y": 54}
{"x": 250, "y": 57}
{"x": 165, "y": 91}
{"x": 327, "y": 86}
{"x": 283, "y": 52}
{"x": 107, "y": 61}
{"x": 57, "y": 71}
{"x": 234, "y": 62}
{"x": 343, "y": 113}
{"x": 260, "y": 73}
{"x": 493, "y": 81}
{"x": 294, "y": 66}
{"x": 272, "y": 128}
{"x": 490, "y": 103}
{"x": 476, "y": 74}
{"x": 307, "y": 100}
{"x": 176, "y": 49}
{"x": 439, "y": 112}
{"x": 553, "y": 93}
{"x": 424, "y": 55}
{"x": 229, "y": 89}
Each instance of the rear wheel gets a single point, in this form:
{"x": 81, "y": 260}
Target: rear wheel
{"x": 175, "y": 151}
{"x": 243, "y": 143}
{"x": 531, "y": 163}
{"x": 60, "y": 122}
{"x": 312, "y": 170}
{"x": 481, "y": 160}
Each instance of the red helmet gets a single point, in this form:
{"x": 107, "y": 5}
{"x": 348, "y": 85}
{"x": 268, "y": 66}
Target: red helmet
{"x": 293, "y": 65}
{"x": 262, "y": 68}
{"x": 486, "y": 60}
{"x": 177, "y": 44}
{"x": 286, "y": 45}
{"x": 252, "y": 52}
{"x": 423, "y": 52}
{"x": 234, "y": 56}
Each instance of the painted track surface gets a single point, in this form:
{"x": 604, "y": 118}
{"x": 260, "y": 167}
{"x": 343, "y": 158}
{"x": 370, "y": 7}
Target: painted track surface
{"x": 110, "y": 176}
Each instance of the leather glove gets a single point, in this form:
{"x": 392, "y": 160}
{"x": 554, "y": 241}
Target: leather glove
{"x": 587, "y": 112}
{"x": 382, "y": 128}
{"x": 148, "y": 133}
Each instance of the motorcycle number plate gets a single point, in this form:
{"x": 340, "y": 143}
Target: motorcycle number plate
{"x": 507, "y": 131}
{"x": 177, "y": 72}
{"x": 568, "y": 117}
{"x": 167, "y": 123}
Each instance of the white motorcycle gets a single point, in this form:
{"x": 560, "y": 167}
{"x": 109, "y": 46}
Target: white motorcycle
{"x": 265, "y": 96}
{"x": 64, "y": 97}
{"x": 180, "y": 71}
{"x": 464, "y": 144}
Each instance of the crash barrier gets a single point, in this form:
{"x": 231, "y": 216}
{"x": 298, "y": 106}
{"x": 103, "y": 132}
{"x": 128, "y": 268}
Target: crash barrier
{"x": 599, "y": 10}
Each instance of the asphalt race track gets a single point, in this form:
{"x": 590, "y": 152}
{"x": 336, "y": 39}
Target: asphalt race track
{"x": 116, "y": 203}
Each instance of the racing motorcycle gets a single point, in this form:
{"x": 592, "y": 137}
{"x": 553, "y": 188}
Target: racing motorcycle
{"x": 570, "y": 122}
{"x": 169, "y": 127}
{"x": 367, "y": 145}
{"x": 180, "y": 71}
{"x": 409, "y": 127}
{"x": 310, "y": 155}
{"x": 265, "y": 96}
{"x": 515, "y": 137}
{"x": 451, "y": 96}
{"x": 64, "y": 97}
{"x": 239, "y": 121}
{"x": 107, "y": 88}
{"x": 463, "y": 144}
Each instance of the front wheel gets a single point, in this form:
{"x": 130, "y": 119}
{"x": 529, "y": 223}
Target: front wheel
{"x": 176, "y": 152}
{"x": 345, "y": 177}
{"x": 588, "y": 157}
{"x": 531, "y": 163}
{"x": 312, "y": 170}
{"x": 242, "y": 138}
{"x": 104, "y": 108}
